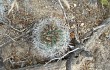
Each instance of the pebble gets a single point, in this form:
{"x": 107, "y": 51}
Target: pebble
{"x": 82, "y": 24}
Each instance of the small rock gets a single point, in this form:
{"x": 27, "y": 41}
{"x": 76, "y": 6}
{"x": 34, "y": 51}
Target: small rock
{"x": 75, "y": 5}
{"x": 82, "y": 24}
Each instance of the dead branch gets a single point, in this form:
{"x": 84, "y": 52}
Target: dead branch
{"x": 101, "y": 29}
{"x": 60, "y": 58}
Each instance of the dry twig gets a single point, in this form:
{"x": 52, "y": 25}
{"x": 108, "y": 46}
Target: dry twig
{"x": 66, "y": 3}
{"x": 98, "y": 31}
{"x": 14, "y": 4}
{"x": 60, "y": 58}
{"x": 63, "y": 10}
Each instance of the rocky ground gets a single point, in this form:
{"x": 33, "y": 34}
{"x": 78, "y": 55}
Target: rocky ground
{"x": 86, "y": 21}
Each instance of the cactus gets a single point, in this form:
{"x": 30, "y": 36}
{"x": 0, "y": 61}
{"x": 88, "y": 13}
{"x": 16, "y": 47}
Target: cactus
{"x": 51, "y": 37}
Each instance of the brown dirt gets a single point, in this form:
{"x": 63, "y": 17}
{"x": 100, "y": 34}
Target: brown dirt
{"x": 82, "y": 15}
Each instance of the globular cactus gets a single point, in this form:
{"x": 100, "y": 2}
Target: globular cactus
{"x": 50, "y": 38}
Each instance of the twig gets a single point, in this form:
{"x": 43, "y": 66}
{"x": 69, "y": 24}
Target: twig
{"x": 98, "y": 27}
{"x": 91, "y": 42}
{"x": 10, "y": 37}
{"x": 51, "y": 61}
{"x": 62, "y": 56}
{"x": 13, "y": 5}
{"x": 76, "y": 33}
{"x": 63, "y": 10}
{"x": 66, "y": 3}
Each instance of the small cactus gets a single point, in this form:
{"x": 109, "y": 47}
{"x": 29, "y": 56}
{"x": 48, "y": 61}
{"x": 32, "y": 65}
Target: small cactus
{"x": 51, "y": 37}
